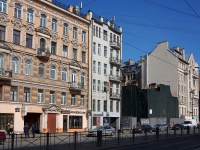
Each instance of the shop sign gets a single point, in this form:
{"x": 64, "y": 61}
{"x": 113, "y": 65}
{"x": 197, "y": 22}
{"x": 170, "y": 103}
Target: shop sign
{"x": 107, "y": 114}
{"x": 77, "y": 112}
{"x": 24, "y": 111}
{"x": 97, "y": 115}
{"x": 65, "y": 112}
{"x": 17, "y": 109}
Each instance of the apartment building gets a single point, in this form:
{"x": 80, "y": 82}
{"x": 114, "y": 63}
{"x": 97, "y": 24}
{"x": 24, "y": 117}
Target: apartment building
{"x": 169, "y": 66}
{"x": 106, "y": 58}
{"x": 44, "y": 62}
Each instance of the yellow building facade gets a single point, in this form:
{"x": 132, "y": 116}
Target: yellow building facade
{"x": 44, "y": 60}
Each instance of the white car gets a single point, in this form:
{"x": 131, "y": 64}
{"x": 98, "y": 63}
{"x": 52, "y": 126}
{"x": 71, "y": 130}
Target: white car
{"x": 106, "y": 130}
{"x": 161, "y": 126}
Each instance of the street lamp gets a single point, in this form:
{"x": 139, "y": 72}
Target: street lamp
{"x": 193, "y": 92}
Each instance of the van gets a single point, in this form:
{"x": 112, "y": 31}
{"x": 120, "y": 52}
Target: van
{"x": 190, "y": 122}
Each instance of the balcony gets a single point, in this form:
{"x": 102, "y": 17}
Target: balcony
{"x": 195, "y": 75}
{"x": 115, "y": 96}
{"x": 75, "y": 86}
{"x": 43, "y": 53}
{"x": 115, "y": 44}
{"x": 115, "y": 78}
{"x": 5, "y": 77}
{"x": 182, "y": 103}
{"x": 115, "y": 61}
{"x": 185, "y": 71}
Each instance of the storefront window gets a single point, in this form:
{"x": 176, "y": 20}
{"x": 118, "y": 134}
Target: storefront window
{"x": 4, "y": 120}
{"x": 75, "y": 122}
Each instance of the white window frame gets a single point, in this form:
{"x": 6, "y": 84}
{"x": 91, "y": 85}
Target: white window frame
{"x": 83, "y": 36}
{"x": 27, "y": 68}
{"x": 94, "y": 85}
{"x": 63, "y": 98}
{"x": 73, "y": 76}
{"x": 18, "y": 11}
{"x": 26, "y": 94}
{"x": 94, "y": 47}
{"x": 54, "y": 25}
{"x": 83, "y": 78}
{"x": 3, "y": 5}
{"x": 15, "y": 65}
{"x": 65, "y": 29}
{"x": 105, "y": 51}
{"x": 99, "y": 86}
{"x": 43, "y": 20}
{"x": 41, "y": 66}
{"x": 65, "y": 51}
{"x": 73, "y": 100}
{"x": 94, "y": 66}
{"x": 52, "y": 69}
{"x": 64, "y": 74}
{"x": 40, "y": 96}
{"x": 99, "y": 49}
{"x": 30, "y": 15}
{"x": 93, "y": 105}
{"x": 75, "y": 31}
{"x": 82, "y": 100}
{"x": 15, "y": 92}
{"x": 52, "y": 98}
{"x": 99, "y": 67}
{"x": 1, "y": 61}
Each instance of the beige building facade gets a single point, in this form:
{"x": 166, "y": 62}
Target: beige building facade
{"x": 44, "y": 55}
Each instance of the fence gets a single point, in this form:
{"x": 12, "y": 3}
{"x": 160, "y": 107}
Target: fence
{"x": 84, "y": 140}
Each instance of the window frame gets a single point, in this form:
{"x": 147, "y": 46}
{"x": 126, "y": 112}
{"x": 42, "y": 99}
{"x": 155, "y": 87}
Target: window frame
{"x": 2, "y": 32}
{"x": 16, "y": 37}
{"x": 3, "y": 5}
{"x": 75, "y": 31}
{"x": 65, "y": 29}
{"x": 27, "y": 94}
{"x": 52, "y": 97}
{"x": 29, "y": 15}
{"x": 64, "y": 74}
{"x": 17, "y": 11}
{"x": 43, "y": 20}
{"x": 29, "y": 40}
{"x": 54, "y": 25}
{"x": 73, "y": 100}
{"x": 41, "y": 95}
{"x": 27, "y": 67}
{"x": 39, "y": 68}
{"x": 51, "y": 71}
{"x": 63, "y": 98}
{"x": 65, "y": 51}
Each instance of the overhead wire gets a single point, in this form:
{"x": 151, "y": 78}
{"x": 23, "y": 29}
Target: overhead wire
{"x": 192, "y": 8}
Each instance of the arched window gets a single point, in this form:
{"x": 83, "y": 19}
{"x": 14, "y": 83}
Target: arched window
{"x": 42, "y": 44}
{"x": 64, "y": 74}
{"x": 73, "y": 76}
{"x": 52, "y": 72}
{"x": 82, "y": 78}
{"x": 17, "y": 11}
{"x": 1, "y": 61}
{"x": 43, "y": 20}
{"x": 41, "y": 70}
{"x": 74, "y": 33}
{"x": 27, "y": 67}
{"x": 3, "y": 6}
{"x": 65, "y": 29}
{"x": 15, "y": 63}
{"x": 54, "y": 25}
{"x": 83, "y": 36}
{"x": 29, "y": 15}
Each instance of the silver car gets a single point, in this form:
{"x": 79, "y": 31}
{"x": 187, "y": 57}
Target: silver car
{"x": 106, "y": 130}
{"x": 161, "y": 126}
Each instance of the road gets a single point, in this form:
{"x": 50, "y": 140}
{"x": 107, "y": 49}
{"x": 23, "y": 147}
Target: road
{"x": 185, "y": 143}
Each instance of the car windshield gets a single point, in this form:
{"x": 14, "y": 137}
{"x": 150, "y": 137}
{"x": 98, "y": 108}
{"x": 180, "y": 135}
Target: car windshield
{"x": 186, "y": 122}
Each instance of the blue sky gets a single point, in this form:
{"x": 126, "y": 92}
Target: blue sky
{"x": 147, "y": 22}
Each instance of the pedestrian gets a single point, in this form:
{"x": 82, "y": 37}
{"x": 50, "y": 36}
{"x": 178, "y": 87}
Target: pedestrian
{"x": 8, "y": 128}
{"x": 33, "y": 130}
{"x": 11, "y": 126}
{"x": 26, "y": 129}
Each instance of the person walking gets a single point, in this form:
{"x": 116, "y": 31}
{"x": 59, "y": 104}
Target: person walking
{"x": 33, "y": 130}
{"x": 26, "y": 129}
{"x": 11, "y": 127}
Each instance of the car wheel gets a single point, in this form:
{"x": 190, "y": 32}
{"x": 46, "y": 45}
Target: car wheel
{"x": 112, "y": 133}
{"x": 150, "y": 131}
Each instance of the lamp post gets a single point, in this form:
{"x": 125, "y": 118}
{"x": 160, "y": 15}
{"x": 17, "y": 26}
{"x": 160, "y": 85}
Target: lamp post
{"x": 192, "y": 91}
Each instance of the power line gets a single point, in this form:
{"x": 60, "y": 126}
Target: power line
{"x": 88, "y": 3}
{"x": 192, "y": 8}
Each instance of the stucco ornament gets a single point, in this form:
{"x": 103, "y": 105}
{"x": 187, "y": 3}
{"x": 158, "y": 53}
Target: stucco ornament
{"x": 3, "y": 19}
{"x": 66, "y": 40}
{"x": 44, "y": 31}
{"x": 30, "y": 28}
{"x": 84, "y": 46}
{"x": 55, "y": 37}
{"x": 17, "y": 24}
{"x": 75, "y": 43}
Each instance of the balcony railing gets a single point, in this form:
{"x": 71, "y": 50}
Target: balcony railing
{"x": 43, "y": 53}
{"x": 115, "y": 61}
{"x": 195, "y": 75}
{"x": 182, "y": 103}
{"x": 115, "y": 44}
{"x": 75, "y": 86}
{"x": 114, "y": 78}
{"x": 115, "y": 96}
{"x": 185, "y": 71}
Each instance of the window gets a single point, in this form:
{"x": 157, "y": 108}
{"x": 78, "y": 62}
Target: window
{"x": 42, "y": 44}
{"x": 74, "y": 54}
{"x": 117, "y": 106}
{"x": 65, "y": 29}
{"x": 29, "y": 39}
{"x": 75, "y": 122}
{"x": 94, "y": 105}
{"x": 98, "y": 105}
{"x": 54, "y": 25}
{"x": 64, "y": 74}
{"x": 43, "y": 20}
{"x": 83, "y": 57}
{"x": 1, "y": 61}
{"x": 53, "y": 48}
{"x": 29, "y": 15}
{"x": 52, "y": 97}
{"x": 105, "y": 106}
{"x": 105, "y": 35}
{"x": 105, "y": 68}
{"x": 82, "y": 78}
{"x": 13, "y": 93}
{"x": 82, "y": 100}
{"x": 94, "y": 66}
{"x": 15, "y": 63}
{"x": 52, "y": 72}
{"x": 111, "y": 106}
{"x": 117, "y": 88}
{"x": 94, "y": 48}
{"x": 94, "y": 85}
{"x": 99, "y": 49}
{"x": 117, "y": 55}
{"x": 105, "y": 51}
{"x": 65, "y": 50}
{"x": 63, "y": 98}
{"x": 74, "y": 33}
{"x": 111, "y": 53}
{"x": 73, "y": 76}
{"x": 104, "y": 86}
{"x": 111, "y": 70}
{"x": 99, "y": 32}
{"x": 83, "y": 36}
{"x": 99, "y": 67}
{"x": 27, "y": 68}
{"x": 17, "y": 11}
{"x": 41, "y": 70}
{"x": 40, "y": 96}
{"x": 114, "y": 38}
{"x": 73, "y": 99}
{"x": 99, "y": 85}
{"x": 2, "y": 32}
{"x": 26, "y": 94}
{"x": 3, "y": 6}
{"x": 93, "y": 30}
{"x": 16, "y": 37}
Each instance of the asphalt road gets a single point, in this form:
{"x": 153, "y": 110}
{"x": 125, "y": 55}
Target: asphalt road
{"x": 185, "y": 143}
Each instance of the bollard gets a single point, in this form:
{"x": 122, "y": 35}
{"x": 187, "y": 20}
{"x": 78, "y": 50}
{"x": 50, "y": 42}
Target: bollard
{"x": 157, "y": 133}
{"x": 174, "y": 132}
{"x": 118, "y": 136}
{"x": 181, "y": 130}
{"x": 167, "y": 131}
{"x": 75, "y": 139}
{"x": 133, "y": 135}
{"x": 12, "y": 141}
{"x": 99, "y": 138}
{"x": 188, "y": 130}
{"x": 194, "y": 129}
{"x": 47, "y": 146}
{"x": 145, "y": 134}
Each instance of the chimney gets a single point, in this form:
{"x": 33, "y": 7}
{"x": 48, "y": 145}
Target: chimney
{"x": 101, "y": 18}
{"x": 70, "y": 8}
{"x": 176, "y": 48}
{"x": 89, "y": 15}
{"x": 120, "y": 28}
{"x": 108, "y": 22}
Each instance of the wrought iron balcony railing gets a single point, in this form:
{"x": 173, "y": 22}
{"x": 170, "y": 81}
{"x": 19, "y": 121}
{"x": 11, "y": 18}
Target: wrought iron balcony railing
{"x": 115, "y": 44}
{"x": 74, "y": 85}
{"x": 115, "y": 78}
{"x": 115, "y": 61}
{"x": 44, "y": 53}
{"x": 115, "y": 96}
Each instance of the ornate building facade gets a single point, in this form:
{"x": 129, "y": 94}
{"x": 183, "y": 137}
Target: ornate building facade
{"x": 44, "y": 55}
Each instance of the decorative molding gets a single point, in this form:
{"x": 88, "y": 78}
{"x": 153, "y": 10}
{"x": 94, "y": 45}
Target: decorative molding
{"x": 31, "y": 58}
{"x": 54, "y": 37}
{"x": 18, "y": 1}
{"x": 44, "y": 31}
{"x": 75, "y": 63}
{"x": 17, "y": 24}
{"x": 52, "y": 108}
{"x": 66, "y": 40}
{"x": 30, "y": 28}
{"x": 5, "y": 45}
{"x": 53, "y": 63}
{"x": 3, "y": 19}
{"x": 18, "y": 55}
{"x": 75, "y": 43}
{"x": 84, "y": 46}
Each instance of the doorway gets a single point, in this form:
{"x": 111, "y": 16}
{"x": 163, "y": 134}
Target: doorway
{"x": 51, "y": 123}
{"x": 64, "y": 123}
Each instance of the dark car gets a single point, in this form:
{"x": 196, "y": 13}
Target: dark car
{"x": 178, "y": 126}
{"x": 143, "y": 128}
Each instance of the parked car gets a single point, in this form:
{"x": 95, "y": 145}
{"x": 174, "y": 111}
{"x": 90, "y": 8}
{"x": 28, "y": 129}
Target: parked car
{"x": 106, "y": 130}
{"x": 143, "y": 128}
{"x": 161, "y": 126}
{"x": 178, "y": 126}
{"x": 190, "y": 122}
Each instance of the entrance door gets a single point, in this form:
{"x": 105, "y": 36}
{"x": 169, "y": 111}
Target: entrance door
{"x": 51, "y": 123}
{"x": 64, "y": 123}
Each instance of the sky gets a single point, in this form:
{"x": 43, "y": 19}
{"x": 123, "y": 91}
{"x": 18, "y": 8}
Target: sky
{"x": 147, "y": 22}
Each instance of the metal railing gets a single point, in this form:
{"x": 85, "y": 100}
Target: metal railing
{"x": 43, "y": 52}
{"x": 115, "y": 60}
{"x": 76, "y": 85}
{"x": 114, "y": 78}
{"x": 115, "y": 95}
